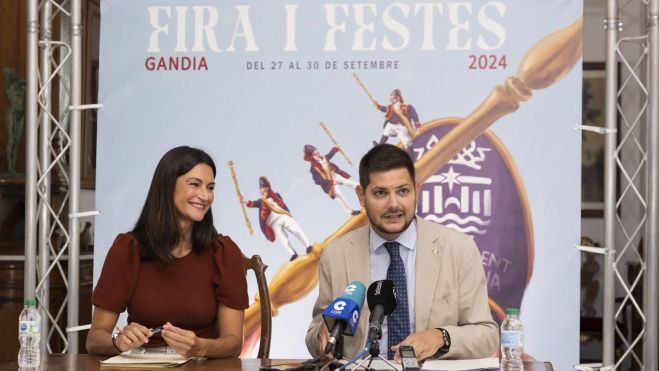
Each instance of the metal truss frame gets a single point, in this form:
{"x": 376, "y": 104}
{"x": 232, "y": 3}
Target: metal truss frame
{"x": 631, "y": 192}
{"x": 53, "y": 163}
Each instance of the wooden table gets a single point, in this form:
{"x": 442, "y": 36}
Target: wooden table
{"x": 85, "y": 362}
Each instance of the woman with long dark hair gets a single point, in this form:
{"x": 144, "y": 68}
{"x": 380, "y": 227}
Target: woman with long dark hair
{"x": 181, "y": 282}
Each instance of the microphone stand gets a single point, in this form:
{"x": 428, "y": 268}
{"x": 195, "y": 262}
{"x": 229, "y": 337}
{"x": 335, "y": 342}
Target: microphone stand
{"x": 337, "y": 355}
{"x": 338, "y": 348}
{"x": 374, "y": 352}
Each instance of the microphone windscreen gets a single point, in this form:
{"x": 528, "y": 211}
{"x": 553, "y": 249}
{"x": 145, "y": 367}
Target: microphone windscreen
{"x": 344, "y": 310}
{"x": 355, "y": 292}
{"x": 384, "y": 293}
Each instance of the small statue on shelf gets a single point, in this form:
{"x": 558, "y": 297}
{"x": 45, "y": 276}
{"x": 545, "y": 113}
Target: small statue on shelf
{"x": 86, "y": 238}
{"x": 589, "y": 280}
{"x": 15, "y": 118}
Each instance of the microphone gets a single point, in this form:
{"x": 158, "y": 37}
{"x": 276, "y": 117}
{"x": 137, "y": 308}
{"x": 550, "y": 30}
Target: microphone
{"x": 343, "y": 311}
{"x": 381, "y": 302}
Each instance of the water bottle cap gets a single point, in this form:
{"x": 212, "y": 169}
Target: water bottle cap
{"x": 30, "y": 302}
{"x": 514, "y": 311}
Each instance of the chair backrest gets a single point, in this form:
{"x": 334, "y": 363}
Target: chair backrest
{"x": 256, "y": 264}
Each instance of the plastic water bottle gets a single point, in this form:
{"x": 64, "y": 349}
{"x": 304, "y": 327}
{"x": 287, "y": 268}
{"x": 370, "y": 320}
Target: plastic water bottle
{"x": 29, "y": 335}
{"x": 512, "y": 341}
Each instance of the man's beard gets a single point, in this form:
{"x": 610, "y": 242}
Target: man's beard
{"x": 379, "y": 226}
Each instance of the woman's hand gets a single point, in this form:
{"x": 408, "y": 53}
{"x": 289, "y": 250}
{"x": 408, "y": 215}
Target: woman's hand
{"x": 184, "y": 342}
{"x": 99, "y": 339}
{"x": 228, "y": 344}
{"x": 132, "y": 336}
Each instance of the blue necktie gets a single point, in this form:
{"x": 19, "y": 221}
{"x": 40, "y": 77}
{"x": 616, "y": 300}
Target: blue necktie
{"x": 398, "y": 322}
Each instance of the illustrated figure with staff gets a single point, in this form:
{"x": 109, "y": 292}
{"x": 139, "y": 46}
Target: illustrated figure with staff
{"x": 275, "y": 219}
{"x": 400, "y": 118}
{"x": 328, "y": 175}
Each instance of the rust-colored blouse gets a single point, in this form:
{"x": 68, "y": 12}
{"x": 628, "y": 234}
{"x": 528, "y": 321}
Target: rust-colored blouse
{"x": 185, "y": 293}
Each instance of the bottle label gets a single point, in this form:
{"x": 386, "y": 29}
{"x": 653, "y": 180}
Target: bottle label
{"x": 29, "y": 328}
{"x": 512, "y": 338}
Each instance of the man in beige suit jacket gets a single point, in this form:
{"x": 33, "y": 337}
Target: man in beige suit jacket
{"x": 452, "y": 316}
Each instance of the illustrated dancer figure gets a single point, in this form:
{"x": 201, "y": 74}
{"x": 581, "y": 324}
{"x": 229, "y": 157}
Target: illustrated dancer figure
{"x": 276, "y": 220}
{"x": 327, "y": 175}
{"x": 398, "y": 120}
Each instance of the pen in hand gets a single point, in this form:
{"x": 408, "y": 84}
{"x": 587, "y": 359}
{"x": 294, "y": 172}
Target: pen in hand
{"x": 156, "y": 330}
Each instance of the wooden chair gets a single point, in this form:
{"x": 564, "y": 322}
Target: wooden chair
{"x": 256, "y": 264}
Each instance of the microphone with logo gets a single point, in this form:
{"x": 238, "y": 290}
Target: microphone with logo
{"x": 342, "y": 315}
{"x": 381, "y": 302}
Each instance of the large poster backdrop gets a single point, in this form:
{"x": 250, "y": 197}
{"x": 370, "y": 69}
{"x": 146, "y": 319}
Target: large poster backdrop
{"x": 494, "y": 87}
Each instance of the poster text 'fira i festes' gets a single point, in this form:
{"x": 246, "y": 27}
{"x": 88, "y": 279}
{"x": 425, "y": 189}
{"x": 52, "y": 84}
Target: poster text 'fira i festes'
{"x": 181, "y": 37}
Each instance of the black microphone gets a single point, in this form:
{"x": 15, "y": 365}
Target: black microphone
{"x": 381, "y": 298}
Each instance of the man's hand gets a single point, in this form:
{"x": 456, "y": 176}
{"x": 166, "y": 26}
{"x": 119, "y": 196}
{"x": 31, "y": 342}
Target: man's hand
{"x": 184, "y": 342}
{"x": 323, "y": 338}
{"x": 425, "y": 344}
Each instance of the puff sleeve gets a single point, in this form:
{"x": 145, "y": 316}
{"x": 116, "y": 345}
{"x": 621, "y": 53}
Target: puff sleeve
{"x": 230, "y": 281}
{"x": 118, "y": 279}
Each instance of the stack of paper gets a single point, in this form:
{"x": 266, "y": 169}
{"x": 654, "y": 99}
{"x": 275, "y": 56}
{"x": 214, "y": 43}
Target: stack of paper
{"x": 145, "y": 360}
{"x": 462, "y": 364}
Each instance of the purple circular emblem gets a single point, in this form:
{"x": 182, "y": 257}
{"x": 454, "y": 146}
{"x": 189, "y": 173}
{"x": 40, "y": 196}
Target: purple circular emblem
{"x": 479, "y": 192}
